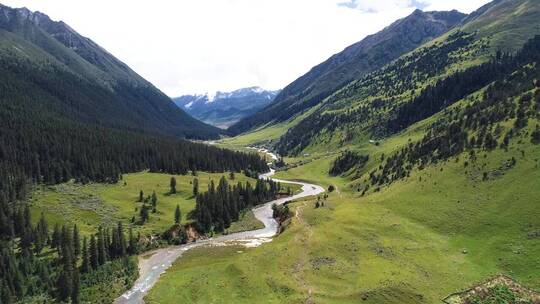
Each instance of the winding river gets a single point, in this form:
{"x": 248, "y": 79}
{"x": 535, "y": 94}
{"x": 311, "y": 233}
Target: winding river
{"x": 161, "y": 259}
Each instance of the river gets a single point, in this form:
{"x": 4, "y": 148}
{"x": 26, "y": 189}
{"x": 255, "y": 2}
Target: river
{"x": 161, "y": 259}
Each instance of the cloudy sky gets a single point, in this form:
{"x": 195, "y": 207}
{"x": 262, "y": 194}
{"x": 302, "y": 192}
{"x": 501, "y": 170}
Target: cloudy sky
{"x": 197, "y": 46}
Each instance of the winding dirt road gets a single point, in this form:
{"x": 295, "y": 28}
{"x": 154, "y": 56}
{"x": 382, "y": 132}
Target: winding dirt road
{"x": 161, "y": 259}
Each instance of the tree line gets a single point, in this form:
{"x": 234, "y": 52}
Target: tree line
{"x": 55, "y": 152}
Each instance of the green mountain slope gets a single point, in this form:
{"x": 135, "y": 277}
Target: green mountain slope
{"x": 46, "y": 64}
{"x": 370, "y": 107}
{"x": 355, "y": 61}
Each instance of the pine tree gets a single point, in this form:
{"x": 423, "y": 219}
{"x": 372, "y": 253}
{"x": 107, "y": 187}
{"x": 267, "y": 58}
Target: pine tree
{"x": 43, "y": 228}
{"x": 177, "y": 215}
{"x": 132, "y": 248}
{"x": 66, "y": 280}
{"x": 85, "y": 266}
{"x": 108, "y": 242}
{"x": 64, "y": 285}
{"x": 121, "y": 240}
{"x": 114, "y": 245}
{"x": 173, "y": 185}
{"x": 75, "y": 286}
{"x": 154, "y": 200}
{"x": 55, "y": 241}
{"x": 39, "y": 242}
{"x": 94, "y": 255}
{"x": 141, "y": 196}
{"x": 27, "y": 218}
{"x": 102, "y": 254}
{"x": 76, "y": 242}
{"x": 144, "y": 214}
{"x": 195, "y": 187}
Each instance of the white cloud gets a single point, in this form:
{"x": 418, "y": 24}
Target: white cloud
{"x": 465, "y": 6}
{"x": 378, "y": 6}
{"x": 196, "y": 46}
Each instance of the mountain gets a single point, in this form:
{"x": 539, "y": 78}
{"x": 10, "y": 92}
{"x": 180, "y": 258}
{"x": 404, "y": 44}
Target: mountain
{"x": 47, "y": 66}
{"x": 420, "y": 83}
{"x": 352, "y": 63}
{"x": 223, "y": 109}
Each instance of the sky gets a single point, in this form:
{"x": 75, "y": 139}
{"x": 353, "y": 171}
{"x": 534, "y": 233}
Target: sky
{"x": 199, "y": 46}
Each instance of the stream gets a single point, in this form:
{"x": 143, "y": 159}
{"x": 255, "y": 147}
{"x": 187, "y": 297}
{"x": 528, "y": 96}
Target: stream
{"x": 161, "y": 259}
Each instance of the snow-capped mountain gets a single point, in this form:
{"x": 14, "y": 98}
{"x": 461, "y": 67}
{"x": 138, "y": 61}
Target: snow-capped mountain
{"x": 223, "y": 109}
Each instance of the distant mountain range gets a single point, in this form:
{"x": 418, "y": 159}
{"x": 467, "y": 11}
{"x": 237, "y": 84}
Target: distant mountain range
{"x": 352, "y": 63}
{"x": 223, "y": 109}
{"x": 48, "y": 67}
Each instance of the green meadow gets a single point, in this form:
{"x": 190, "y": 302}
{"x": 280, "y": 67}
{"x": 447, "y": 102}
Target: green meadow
{"x": 92, "y": 205}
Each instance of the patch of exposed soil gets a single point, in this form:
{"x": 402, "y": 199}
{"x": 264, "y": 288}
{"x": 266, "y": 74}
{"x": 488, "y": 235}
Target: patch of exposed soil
{"x": 485, "y": 291}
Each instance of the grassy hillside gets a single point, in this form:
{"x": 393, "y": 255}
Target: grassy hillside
{"x": 507, "y": 23}
{"x": 417, "y": 240}
{"x": 266, "y": 136}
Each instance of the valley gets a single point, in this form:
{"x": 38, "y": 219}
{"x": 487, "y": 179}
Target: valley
{"x": 403, "y": 169}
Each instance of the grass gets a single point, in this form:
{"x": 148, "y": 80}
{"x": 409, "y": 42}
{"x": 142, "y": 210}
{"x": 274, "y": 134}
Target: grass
{"x": 264, "y": 135}
{"x": 246, "y": 222}
{"x": 92, "y": 205}
{"x": 258, "y": 136}
{"x": 510, "y": 25}
{"x": 439, "y": 231}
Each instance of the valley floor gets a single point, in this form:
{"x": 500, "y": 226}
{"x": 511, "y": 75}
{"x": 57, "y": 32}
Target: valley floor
{"x": 96, "y": 204}
{"x": 153, "y": 264}
{"x": 418, "y": 240}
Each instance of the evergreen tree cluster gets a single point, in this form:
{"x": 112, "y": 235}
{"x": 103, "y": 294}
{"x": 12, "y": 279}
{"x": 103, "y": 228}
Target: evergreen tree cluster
{"x": 22, "y": 273}
{"x": 281, "y": 212}
{"x": 27, "y": 269}
{"x": 221, "y": 205}
{"x": 346, "y": 161}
